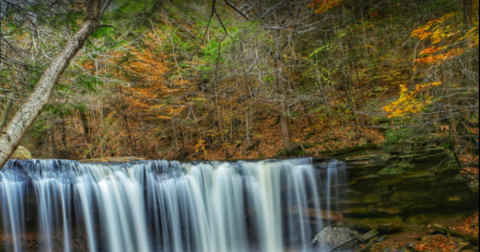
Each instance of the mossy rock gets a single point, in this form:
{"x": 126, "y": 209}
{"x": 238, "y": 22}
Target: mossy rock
{"x": 382, "y": 224}
{"x": 22, "y": 153}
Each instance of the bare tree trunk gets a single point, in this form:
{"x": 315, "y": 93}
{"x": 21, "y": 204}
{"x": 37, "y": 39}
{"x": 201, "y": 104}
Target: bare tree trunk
{"x": 63, "y": 125}
{"x": 3, "y": 117}
{"x": 26, "y": 115}
{"x": 287, "y": 141}
{"x": 468, "y": 19}
{"x": 326, "y": 100}
{"x": 85, "y": 124}
{"x": 282, "y": 89}
{"x": 306, "y": 114}
{"x": 247, "y": 128}
{"x": 285, "y": 131}
{"x": 53, "y": 146}
{"x": 468, "y": 9}
{"x": 63, "y": 153}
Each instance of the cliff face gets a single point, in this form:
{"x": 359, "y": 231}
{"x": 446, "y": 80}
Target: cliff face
{"x": 390, "y": 190}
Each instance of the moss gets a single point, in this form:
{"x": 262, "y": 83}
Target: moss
{"x": 395, "y": 169}
{"x": 384, "y": 224}
{"x": 359, "y": 150}
{"x": 22, "y": 153}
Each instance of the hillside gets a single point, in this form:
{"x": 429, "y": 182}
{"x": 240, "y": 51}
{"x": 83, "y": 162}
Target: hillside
{"x": 186, "y": 81}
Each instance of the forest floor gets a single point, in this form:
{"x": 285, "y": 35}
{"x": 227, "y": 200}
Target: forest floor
{"x": 312, "y": 137}
{"x": 443, "y": 236}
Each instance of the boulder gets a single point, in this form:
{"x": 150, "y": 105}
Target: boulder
{"x": 330, "y": 238}
{"x": 21, "y": 153}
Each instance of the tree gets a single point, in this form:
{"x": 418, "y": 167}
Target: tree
{"x": 442, "y": 98}
{"x": 153, "y": 85}
{"x": 12, "y": 135}
{"x": 282, "y": 21}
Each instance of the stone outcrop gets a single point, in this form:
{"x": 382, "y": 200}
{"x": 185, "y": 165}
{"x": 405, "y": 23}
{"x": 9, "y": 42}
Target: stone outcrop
{"x": 21, "y": 153}
{"x": 388, "y": 189}
{"x": 113, "y": 160}
{"x": 332, "y": 237}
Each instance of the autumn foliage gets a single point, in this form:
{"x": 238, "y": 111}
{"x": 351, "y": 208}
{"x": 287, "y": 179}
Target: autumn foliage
{"x": 322, "y": 6}
{"x": 349, "y": 73}
{"x": 176, "y": 81}
{"x": 408, "y": 103}
{"x": 445, "y": 40}
{"x": 154, "y": 82}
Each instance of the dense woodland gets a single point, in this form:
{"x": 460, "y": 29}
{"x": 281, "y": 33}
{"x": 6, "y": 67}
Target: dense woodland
{"x": 198, "y": 79}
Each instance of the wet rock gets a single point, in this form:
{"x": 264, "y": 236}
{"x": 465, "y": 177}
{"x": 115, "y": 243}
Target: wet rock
{"x": 368, "y": 235}
{"x": 395, "y": 250}
{"x": 330, "y": 238}
{"x": 428, "y": 184}
{"x": 21, "y": 153}
{"x": 385, "y": 224}
{"x": 113, "y": 160}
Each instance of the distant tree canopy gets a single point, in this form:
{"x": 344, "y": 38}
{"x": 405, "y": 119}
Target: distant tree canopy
{"x": 248, "y": 79}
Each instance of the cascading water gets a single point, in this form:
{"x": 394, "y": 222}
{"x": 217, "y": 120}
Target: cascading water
{"x": 165, "y": 206}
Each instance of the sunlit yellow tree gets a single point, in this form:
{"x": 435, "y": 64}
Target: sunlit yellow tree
{"x": 446, "y": 39}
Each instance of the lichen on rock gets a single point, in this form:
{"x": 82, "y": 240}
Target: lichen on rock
{"x": 21, "y": 153}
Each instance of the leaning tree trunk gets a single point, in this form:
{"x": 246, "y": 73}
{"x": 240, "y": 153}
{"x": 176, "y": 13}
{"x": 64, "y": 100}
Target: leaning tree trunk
{"x": 286, "y": 138}
{"x": 4, "y": 115}
{"x": 10, "y": 138}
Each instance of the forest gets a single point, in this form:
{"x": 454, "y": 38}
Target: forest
{"x": 366, "y": 110}
{"x": 203, "y": 80}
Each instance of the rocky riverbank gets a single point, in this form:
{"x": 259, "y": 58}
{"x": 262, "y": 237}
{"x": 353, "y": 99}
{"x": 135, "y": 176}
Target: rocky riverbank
{"x": 411, "y": 200}
{"x": 416, "y": 199}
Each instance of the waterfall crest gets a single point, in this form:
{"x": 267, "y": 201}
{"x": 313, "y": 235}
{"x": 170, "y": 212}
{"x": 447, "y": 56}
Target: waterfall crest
{"x": 166, "y": 206}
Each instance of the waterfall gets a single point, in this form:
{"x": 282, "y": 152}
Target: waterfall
{"x": 166, "y": 206}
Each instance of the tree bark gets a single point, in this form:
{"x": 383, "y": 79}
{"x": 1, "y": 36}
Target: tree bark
{"x": 468, "y": 9}
{"x": 287, "y": 141}
{"x": 285, "y": 131}
{"x": 85, "y": 125}
{"x": 3, "y": 117}
{"x": 63, "y": 125}
{"x": 10, "y": 138}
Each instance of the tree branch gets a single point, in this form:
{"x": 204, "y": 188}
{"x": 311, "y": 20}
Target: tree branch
{"x": 107, "y": 26}
{"x": 104, "y": 7}
{"x": 237, "y": 10}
